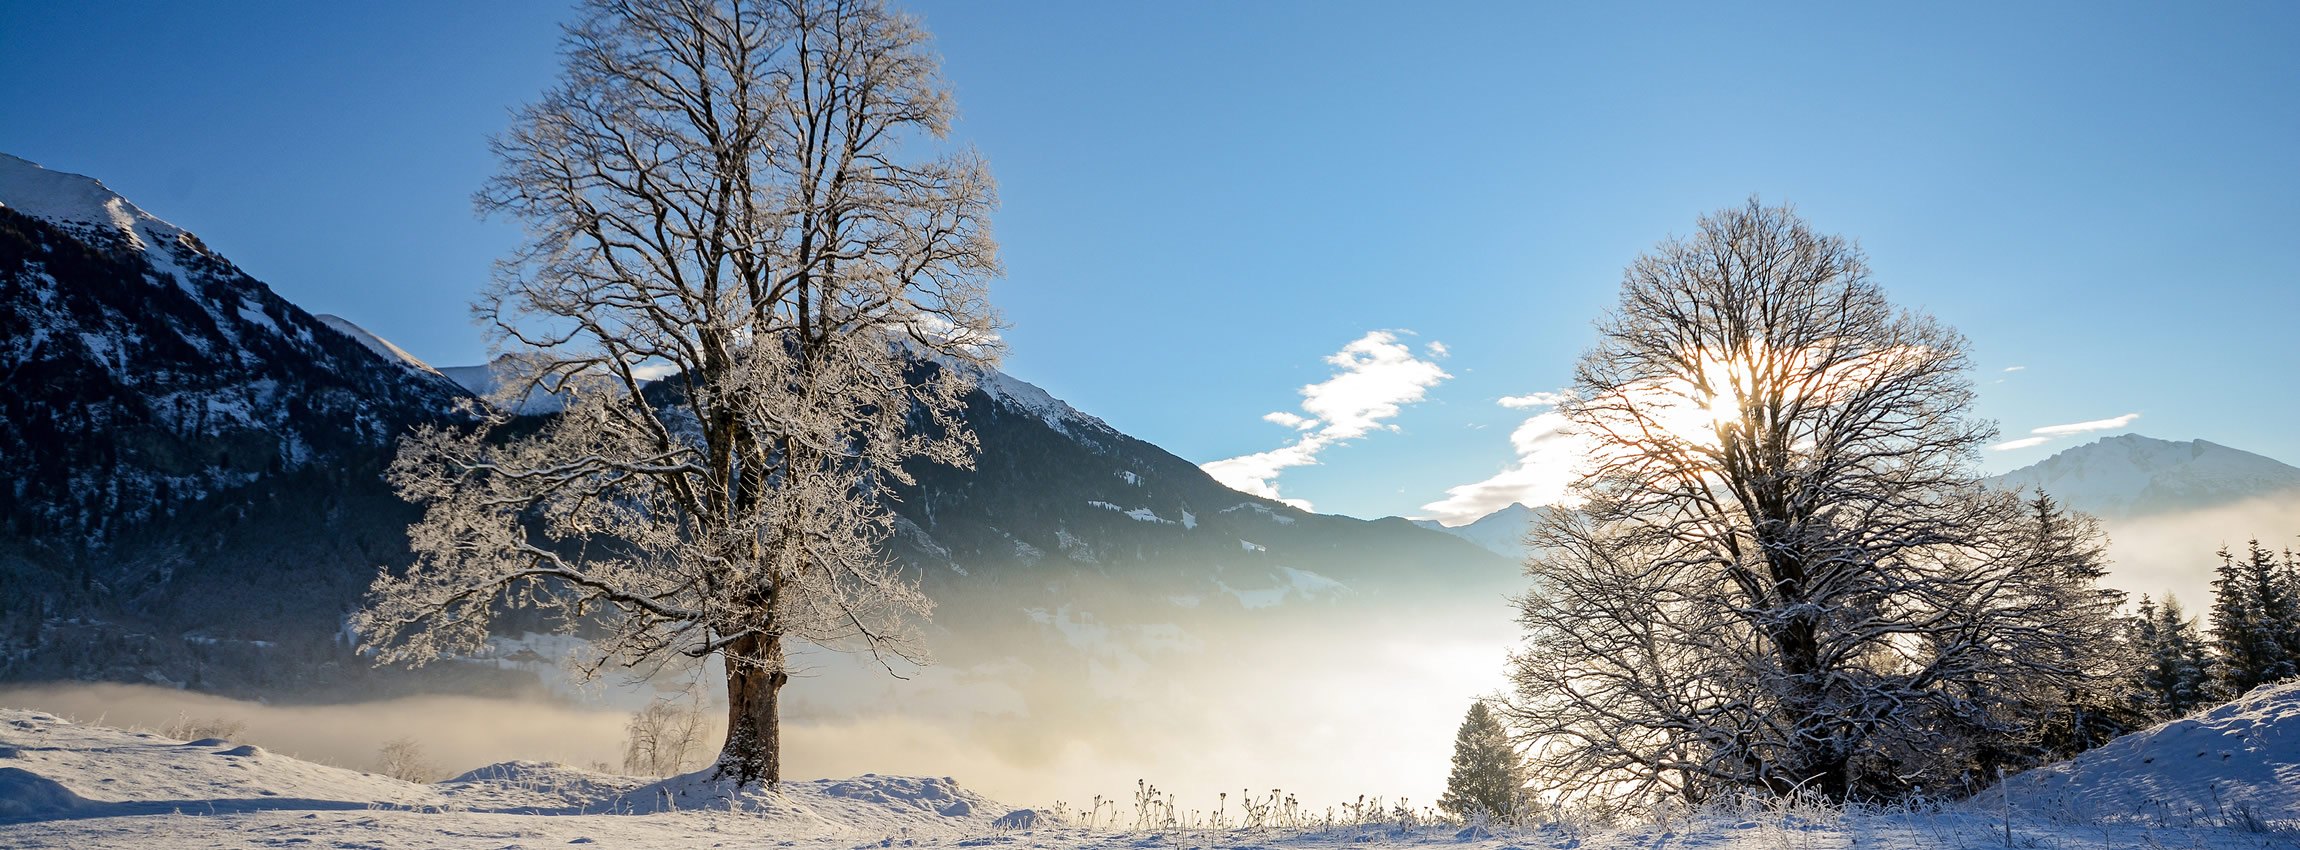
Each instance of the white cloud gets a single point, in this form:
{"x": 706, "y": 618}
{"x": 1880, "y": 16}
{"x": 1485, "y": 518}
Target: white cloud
{"x": 2022, "y": 443}
{"x": 2108, "y": 424}
{"x": 1257, "y": 474}
{"x": 1374, "y": 378}
{"x": 1438, "y": 350}
{"x": 1289, "y": 420}
{"x": 1549, "y": 458}
{"x": 2016, "y": 368}
{"x": 1520, "y": 402}
{"x": 2049, "y": 433}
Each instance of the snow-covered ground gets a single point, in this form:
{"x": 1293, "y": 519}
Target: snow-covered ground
{"x": 71, "y": 785}
{"x": 2231, "y": 764}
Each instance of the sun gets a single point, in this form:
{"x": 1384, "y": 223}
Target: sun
{"x": 1700, "y": 406}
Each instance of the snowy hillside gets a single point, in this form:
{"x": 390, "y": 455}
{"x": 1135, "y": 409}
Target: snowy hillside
{"x": 2132, "y": 475}
{"x": 69, "y": 786}
{"x": 77, "y": 786}
{"x": 2227, "y": 764}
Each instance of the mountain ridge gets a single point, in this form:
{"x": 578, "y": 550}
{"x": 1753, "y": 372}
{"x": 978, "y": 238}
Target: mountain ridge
{"x": 2130, "y": 475}
{"x": 241, "y": 583}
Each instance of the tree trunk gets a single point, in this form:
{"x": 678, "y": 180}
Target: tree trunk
{"x": 755, "y": 678}
{"x": 1821, "y": 766}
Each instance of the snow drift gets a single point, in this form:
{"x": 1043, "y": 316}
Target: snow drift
{"x": 53, "y": 770}
{"x": 2235, "y": 764}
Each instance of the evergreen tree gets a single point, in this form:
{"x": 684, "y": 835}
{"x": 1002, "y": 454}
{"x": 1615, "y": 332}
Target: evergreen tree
{"x": 1487, "y": 774}
{"x": 2276, "y": 604}
{"x": 2063, "y": 583}
{"x": 2255, "y": 619}
{"x": 2176, "y": 671}
{"x": 2234, "y": 632}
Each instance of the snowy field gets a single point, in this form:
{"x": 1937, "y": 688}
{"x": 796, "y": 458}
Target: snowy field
{"x": 2227, "y": 778}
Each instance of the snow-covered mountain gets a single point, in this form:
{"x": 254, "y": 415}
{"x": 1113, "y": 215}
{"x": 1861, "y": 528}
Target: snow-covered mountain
{"x": 224, "y": 448}
{"x": 2130, "y": 475}
{"x": 146, "y": 371}
{"x": 1501, "y": 532}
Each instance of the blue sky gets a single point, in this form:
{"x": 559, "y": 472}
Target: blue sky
{"x": 1204, "y": 202}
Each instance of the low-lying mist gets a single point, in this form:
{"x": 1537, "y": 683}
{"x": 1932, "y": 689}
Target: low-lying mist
{"x": 2173, "y": 553}
{"x": 1327, "y": 702}
{"x": 1326, "y": 697}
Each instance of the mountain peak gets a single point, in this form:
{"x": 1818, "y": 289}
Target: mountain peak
{"x": 86, "y": 207}
{"x": 1501, "y": 532}
{"x": 377, "y": 344}
{"x": 2132, "y": 474}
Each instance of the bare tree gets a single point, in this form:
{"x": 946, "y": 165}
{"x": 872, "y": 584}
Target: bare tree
{"x": 728, "y": 195}
{"x": 661, "y": 739}
{"x": 1787, "y": 574}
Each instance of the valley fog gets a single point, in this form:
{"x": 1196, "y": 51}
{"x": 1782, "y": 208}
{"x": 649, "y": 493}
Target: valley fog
{"x": 1326, "y": 704}
{"x": 2175, "y": 552}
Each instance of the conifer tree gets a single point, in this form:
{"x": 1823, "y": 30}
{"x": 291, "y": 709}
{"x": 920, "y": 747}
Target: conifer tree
{"x": 2176, "y": 671}
{"x": 2233, "y": 631}
{"x": 2276, "y": 604}
{"x": 1488, "y": 776}
{"x": 2255, "y": 619}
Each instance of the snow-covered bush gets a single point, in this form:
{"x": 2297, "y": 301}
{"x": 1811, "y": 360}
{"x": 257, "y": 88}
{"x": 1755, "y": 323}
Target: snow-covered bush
{"x": 188, "y": 728}
{"x": 403, "y": 759}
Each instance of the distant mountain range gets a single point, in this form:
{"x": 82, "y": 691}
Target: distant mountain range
{"x": 1501, "y": 532}
{"x": 2122, "y": 478}
{"x": 2132, "y": 476}
{"x": 197, "y": 498}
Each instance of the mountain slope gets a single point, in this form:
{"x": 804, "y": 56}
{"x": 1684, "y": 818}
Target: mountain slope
{"x": 199, "y": 500}
{"x": 197, "y": 377}
{"x": 194, "y": 460}
{"x": 2130, "y": 475}
{"x": 1501, "y": 532}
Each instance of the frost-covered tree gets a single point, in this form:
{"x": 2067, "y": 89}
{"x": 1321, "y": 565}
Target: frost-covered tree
{"x": 2059, "y": 590}
{"x": 1488, "y": 776}
{"x": 758, "y": 298}
{"x": 2176, "y": 668}
{"x": 2255, "y": 618}
{"x": 1786, "y": 573}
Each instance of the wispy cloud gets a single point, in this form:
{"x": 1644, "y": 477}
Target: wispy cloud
{"x": 1549, "y": 456}
{"x": 1374, "y": 378}
{"x": 1520, "y": 402}
{"x": 2022, "y": 443}
{"x": 2049, "y": 433}
{"x": 2109, "y": 424}
{"x": 2016, "y": 368}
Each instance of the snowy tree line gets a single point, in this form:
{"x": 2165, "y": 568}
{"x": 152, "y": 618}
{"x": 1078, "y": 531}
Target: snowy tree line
{"x": 2254, "y": 638}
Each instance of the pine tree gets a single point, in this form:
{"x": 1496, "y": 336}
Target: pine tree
{"x": 2287, "y": 621}
{"x": 1487, "y": 774}
{"x": 2277, "y": 607}
{"x": 2255, "y": 619}
{"x": 2176, "y": 671}
{"x": 2234, "y": 631}
{"x": 2069, "y": 564}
